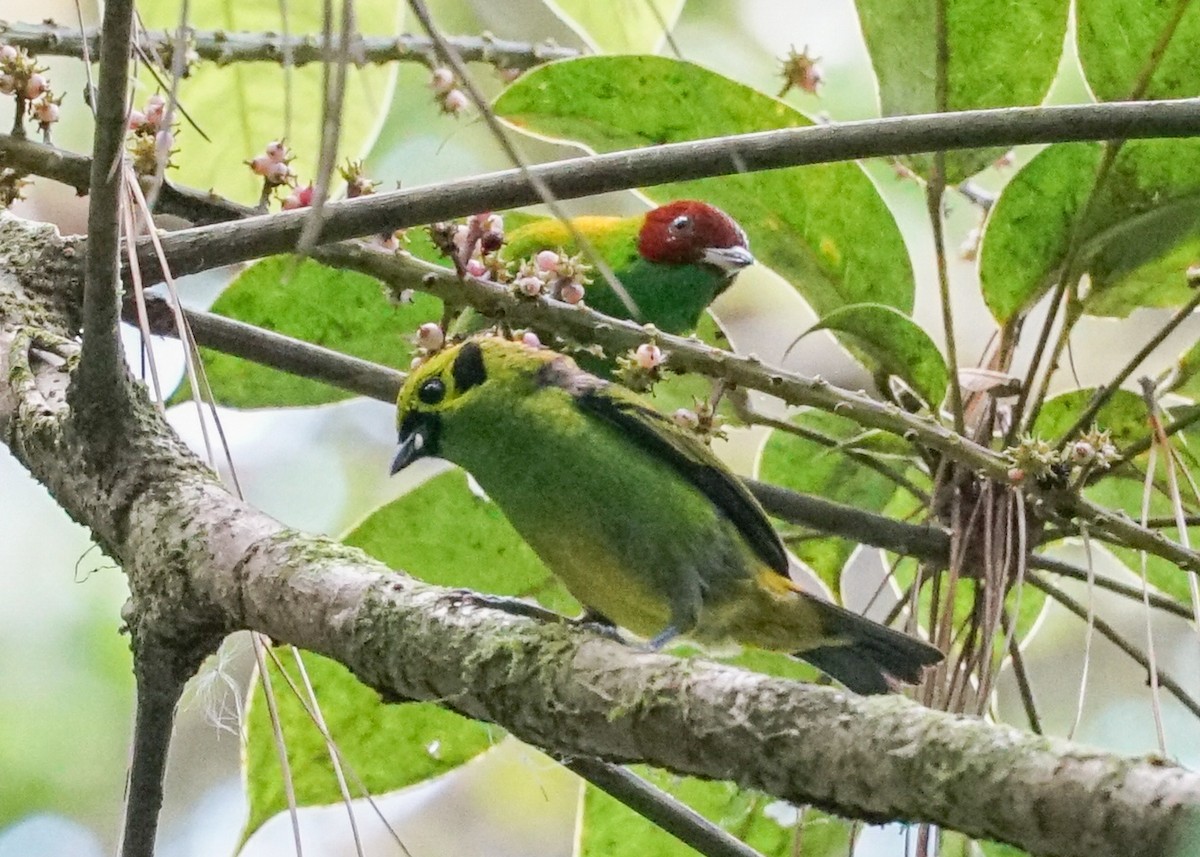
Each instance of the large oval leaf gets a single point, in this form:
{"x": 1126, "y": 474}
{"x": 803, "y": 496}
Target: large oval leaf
{"x": 807, "y": 223}
{"x": 1000, "y": 54}
{"x": 895, "y": 344}
{"x": 620, "y": 26}
{"x": 442, "y": 533}
{"x": 1118, "y": 38}
{"x": 1124, "y": 415}
{"x": 342, "y": 310}
{"x": 242, "y": 107}
{"x": 1136, "y": 244}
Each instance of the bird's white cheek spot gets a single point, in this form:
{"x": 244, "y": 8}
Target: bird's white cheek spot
{"x": 418, "y": 442}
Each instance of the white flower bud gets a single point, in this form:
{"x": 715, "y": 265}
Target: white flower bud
{"x": 430, "y": 336}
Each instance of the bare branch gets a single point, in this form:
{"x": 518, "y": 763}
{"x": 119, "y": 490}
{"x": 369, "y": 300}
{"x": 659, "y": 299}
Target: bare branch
{"x": 224, "y": 47}
{"x": 103, "y": 363}
{"x": 192, "y": 250}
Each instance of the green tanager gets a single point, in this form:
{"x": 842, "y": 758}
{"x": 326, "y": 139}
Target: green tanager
{"x": 673, "y": 261}
{"x": 639, "y": 519}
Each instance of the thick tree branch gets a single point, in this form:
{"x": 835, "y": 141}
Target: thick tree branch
{"x": 224, "y": 47}
{"x": 203, "y": 563}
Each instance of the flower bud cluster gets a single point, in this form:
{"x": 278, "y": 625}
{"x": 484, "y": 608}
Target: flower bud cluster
{"x": 1035, "y": 458}
{"x": 151, "y": 139}
{"x": 449, "y": 97}
{"x": 25, "y": 80}
{"x": 474, "y": 246}
{"x": 800, "y": 71}
{"x": 554, "y": 273}
{"x": 642, "y": 367}
{"x": 701, "y": 419}
{"x": 274, "y": 164}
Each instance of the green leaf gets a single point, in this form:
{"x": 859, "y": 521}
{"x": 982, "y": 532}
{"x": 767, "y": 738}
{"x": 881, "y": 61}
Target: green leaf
{"x": 1117, "y": 39}
{"x": 342, "y": 310}
{"x": 620, "y": 26}
{"x": 241, "y": 107}
{"x": 806, "y": 223}
{"x": 1141, "y": 233}
{"x": 1027, "y": 233}
{"x": 806, "y": 465}
{"x": 1125, "y": 495}
{"x": 1186, "y": 381}
{"x": 895, "y": 344}
{"x": 1124, "y": 415}
{"x": 387, "y": 746}
{"x": 611, "y": 829}
{"x": 1000, "y": 55}
{"x": 441, "y": 533}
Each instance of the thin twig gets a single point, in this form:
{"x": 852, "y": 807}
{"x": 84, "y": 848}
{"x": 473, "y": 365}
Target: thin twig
{"x": 1133, "y": 593}
{"x": 675, "y": 818}
{"x": 224, "y": 47}
{"x": 1109, "y": 633}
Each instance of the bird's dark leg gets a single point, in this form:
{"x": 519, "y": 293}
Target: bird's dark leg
{"x": 660, "y": 639}
{"x": 590, "y": 620}
{"x": 511, "y": 606}
{"x": 596, "y": 622}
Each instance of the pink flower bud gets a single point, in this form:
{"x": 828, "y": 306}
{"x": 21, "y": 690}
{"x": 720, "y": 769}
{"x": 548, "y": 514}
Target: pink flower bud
{"x": 261, "y": 165}
{"x": 156, "y": 109}
{"x": 530, "y": 339}
{"x": 441, "y": 80}
{"x": 571, "y": 292}
{"x": 301, "y": 197}
{"x": 530, "y": 286}
{"x": 546, "y": 260}
{"x": 685, "y": 418}
{"x": 277, "y": 151}
{"x": 7, "y": 53}
{"x": 491, "y": 241}
{"x": 460, "y": 241}
{"x": 455, "y": 101}
{"x": 277, "y": 173}
{"x": 1016, "y": 475}
{"x": 476, "y": 268}
{"x": 35, "y": 86}
{"x": 648, "y": 355}
{"x": 430, "y": 336}
{"x": 164, "y": 141}
{"x": 46, "y": 112}
{"x": 136, "y": 119}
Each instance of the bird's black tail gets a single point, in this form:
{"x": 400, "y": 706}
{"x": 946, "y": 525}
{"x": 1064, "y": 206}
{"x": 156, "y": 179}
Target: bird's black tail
{"x": 869, "y": 657}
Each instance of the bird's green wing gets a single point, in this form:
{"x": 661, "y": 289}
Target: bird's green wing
{"x": 660, "y": 437}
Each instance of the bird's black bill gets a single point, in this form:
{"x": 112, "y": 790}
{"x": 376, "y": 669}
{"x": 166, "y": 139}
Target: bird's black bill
{"x": 418, "y": 438}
